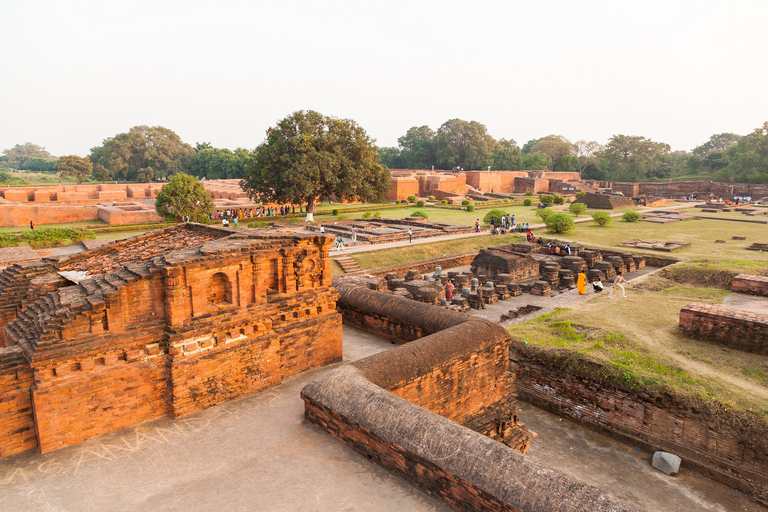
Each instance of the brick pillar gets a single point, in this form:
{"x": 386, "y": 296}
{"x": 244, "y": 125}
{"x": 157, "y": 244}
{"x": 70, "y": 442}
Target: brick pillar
{"x": 176, "y": 313}
{"x": 289, "y": 279}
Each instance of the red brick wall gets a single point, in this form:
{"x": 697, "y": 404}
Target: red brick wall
{"x": 737, "y": 329}
{"x": 754, "y": 285}
{"x": 720, "y": 444}
{"x": 17, "y": 425}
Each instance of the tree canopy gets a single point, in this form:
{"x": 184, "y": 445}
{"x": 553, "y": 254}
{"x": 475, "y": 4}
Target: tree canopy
{"x": 76, "y": 167}
{"x": 555, "y": 147}
{"x": 631, "y": 157}
{"x": 217, "y": 164}
{"x": 19, "y": 155}
{"x": 309, "y": 156}
{"x": 417, "y": 147}
{"x": 464, "y": 144}
{"x": 183, "y": 196}
{"x": 144, "y": 153}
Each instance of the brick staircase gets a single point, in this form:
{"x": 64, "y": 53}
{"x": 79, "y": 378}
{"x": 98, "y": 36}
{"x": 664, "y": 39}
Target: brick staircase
{"x": 347, "y": 264}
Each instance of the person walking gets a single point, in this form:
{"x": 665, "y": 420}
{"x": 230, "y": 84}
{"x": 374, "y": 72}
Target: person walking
{"x": 31, "y": 225}
{"x": 354, "y": 236}
{"x": 449, "y": 290}
{"x": 477, "y": 225}
{"x": 410, "y": 235}
{"x": 340, "y": 245}
{"x": 617, "y": 282}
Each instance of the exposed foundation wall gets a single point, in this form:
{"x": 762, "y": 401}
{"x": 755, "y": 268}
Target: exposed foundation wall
{"x": 15, "y": 214}
{"x": 722, "y": 446}
{"x": 498, "y": 181}
{"x": 427, "y": 266}
{"x": 753, "y": 285}
{"x": 734, "y": 328}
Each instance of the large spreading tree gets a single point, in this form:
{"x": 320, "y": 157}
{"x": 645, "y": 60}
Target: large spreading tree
{"x": 309, "y": 156}
{"x": 20, "y": 154}
{"x": 75, "y": 166}
{"x": 144, "y": 153}
{"x": 183, "y": 196}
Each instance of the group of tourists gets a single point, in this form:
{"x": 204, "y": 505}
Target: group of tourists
{"x": 559, "y": 250}
{"x": 506, "y": 223}
{"x": 597, "y": 285}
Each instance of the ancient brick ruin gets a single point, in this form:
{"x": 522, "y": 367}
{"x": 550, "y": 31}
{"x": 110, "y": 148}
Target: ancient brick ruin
{"x": 164, "y": 324}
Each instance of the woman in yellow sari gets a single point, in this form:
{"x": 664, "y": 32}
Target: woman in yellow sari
{"x": 581, "y": 284}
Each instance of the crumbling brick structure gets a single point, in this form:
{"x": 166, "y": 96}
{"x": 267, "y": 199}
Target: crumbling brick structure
{"x": 605, "y": 201}
{"x": 168, "y": 334}
{"x": 734, "y": 328}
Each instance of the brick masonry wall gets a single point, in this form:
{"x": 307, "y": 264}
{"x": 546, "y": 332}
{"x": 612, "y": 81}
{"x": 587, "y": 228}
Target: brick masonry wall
{"x": 17, "y": 425}
{"x": 439, "y": 456}
{"x": 426, "y": 266}
{"x": 721, "y": 446}
{"x": 747, "y": 283}
{"x": 734, "y": 328}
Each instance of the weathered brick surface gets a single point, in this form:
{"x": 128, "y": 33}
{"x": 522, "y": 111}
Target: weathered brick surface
{"x": 747, "y": 283}
{"x": 169, "y": 333}
{"x": 720, "y": 443}
{"x": 731, "y": 327}
{"x": 467, "y": 470}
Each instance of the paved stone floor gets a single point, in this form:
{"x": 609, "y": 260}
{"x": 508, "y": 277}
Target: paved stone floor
{"x": 258, "y": 454}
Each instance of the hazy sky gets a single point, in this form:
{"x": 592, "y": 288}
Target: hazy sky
{"x": 77, "y": 72}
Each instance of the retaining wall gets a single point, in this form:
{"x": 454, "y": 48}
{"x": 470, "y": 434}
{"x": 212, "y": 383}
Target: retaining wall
{"x": 734, "y": 328}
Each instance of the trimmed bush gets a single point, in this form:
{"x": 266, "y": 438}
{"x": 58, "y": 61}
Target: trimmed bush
{"x": 335, "y": 211}
{"x": 631, "y": 216}
{"x": 529, "y": 192}
{"x": 496, "y": 214}
{"x": 444, "y": 201}
{"x": 431, "y": 198}
{"x": 577, "y": 209}
{"x": 419, "y": 214}
{"x": 412, "y": 198}
{"x": 559, "y": 223}
{"x": 544, "y": 213}
{"x": 558, "y": 199}
{"x": 367, "y": 215}
{"x": 419, "y": 204}
{"x": 546, "y": 200}
{"x": 376, "y": 215}
{"x": 470, "y": 208}
{"x": 602, "y": 219}
{"x": 465, "y": 202}
{"x": 527, "y": 202}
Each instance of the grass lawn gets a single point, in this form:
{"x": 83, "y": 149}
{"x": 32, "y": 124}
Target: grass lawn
{"x": 638, "y": 337}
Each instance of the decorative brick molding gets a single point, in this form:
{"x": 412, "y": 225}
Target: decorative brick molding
{"x": 747, "y": 283}
{"x": 719, "y": 442}
{"x": 190, "y": 322}
{"x": 737, "y": 329}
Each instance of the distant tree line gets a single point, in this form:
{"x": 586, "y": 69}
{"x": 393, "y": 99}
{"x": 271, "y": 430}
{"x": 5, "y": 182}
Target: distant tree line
{"x": 459, "y": 144}
{"x": 156, "y": 153}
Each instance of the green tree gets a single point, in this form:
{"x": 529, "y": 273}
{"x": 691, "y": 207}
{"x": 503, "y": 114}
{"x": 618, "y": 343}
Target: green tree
{"x": 129, "y": 155}
{"x": 494, "y": 214}
{"x": 602, "y": 219}
{"x": 42, "y": 164}
{"x": 417, "y": 148}
{"x": 577, "y": 209}
{"x": 309, "y": 156}
{"x": 586, "y": 153}
{"x": 391, "y": 158}
{"x": 218, "y": 164}
{"x": 526, "y": 149}
{"x": 507, "y": 156}
{"x": 75, "y": 166}
{"x": 555, "y": 147}
{"x": 544, "y": 213}
{"x": 536, "y": 162}
{"x": 183, "y": 196}
{"x": 559, "y": 223}
{"x": 628, "y": 157}
{"x": 719, "y": 142}
{"x": 748, "y": 158}
{"x": 5, "y": 177}
{"x": 101, "y": 173}
{"x": 19, "y": 155}
{"x": 631, "y": 216}
{"x": 463, "y": 144}
{"x": 566, "y": 163}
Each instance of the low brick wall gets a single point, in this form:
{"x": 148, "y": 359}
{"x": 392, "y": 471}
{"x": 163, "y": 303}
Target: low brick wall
{"x": 437, "y": 455}
{"x": 737, "y": 329}
{"x": 17, "y": 423}
{"x": 426, "y": 266}
{"x": 724, "y": 444}
{"x": 747, "y": 283}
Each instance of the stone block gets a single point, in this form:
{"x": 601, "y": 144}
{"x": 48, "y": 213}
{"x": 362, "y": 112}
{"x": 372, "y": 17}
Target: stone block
{"x": 666, "y": 462}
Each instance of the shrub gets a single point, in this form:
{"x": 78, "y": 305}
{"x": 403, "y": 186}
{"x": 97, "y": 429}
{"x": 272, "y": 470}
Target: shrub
{"x": 404, "y": 201}
{"x": 465, "y": 202}
{"x": 496, "y": 214}
{"x": 419, "y": 204}
{"x": 257, "y": 224}
{"x": 54, "y": 237}
{"x": 8, "y": 240}
{"x": 419, "y": 214}
{"x": 529, "y": 192}
{"x": 580, "y": 194}
{"x": 412, "y": 198}
{"x": 527, "y": 202}
{"x": 367, "y": 215}
{"x": 431, "y": 198}
{"x": 470, "y": 207}
{"x": 559, "y": 223}
{"x": 444, "y": 201}
{"x": 558, "y": 199}
{"x": 544, "y": 213}
{"x": 376, "y": 215}
{"x": 601, "y": 218}
{"x": 335, "y": 211}
{"x": 577, "y": 209}
{"x": 546, "y": 200}
{"x": 631, "y": 216}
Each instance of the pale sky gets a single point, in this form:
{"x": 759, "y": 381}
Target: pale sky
{"x": 677, "y": 71}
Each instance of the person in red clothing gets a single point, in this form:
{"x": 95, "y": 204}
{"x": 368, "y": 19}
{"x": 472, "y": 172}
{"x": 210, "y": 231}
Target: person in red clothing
{"x": 449, "y": 290}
